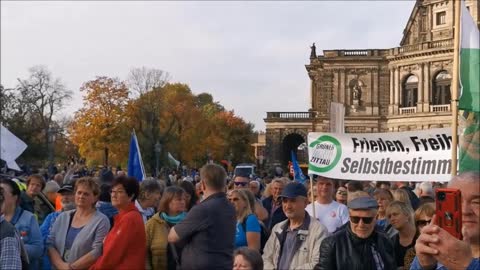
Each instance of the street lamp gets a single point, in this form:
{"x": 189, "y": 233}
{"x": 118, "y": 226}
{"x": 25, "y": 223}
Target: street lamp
{"x": 51, "y": 136}
{"x": 158, "y": 150}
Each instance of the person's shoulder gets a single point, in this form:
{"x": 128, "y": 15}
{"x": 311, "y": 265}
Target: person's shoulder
{"x": 338, "y": 205}
{"x": 25, "y": 214}
{"x": 6, "y": 229}
{"x": 316, "y": 225}
{"x": 252, "y": 218}
{"x": 101, "y": 217}
{"x": 279, "y": 226}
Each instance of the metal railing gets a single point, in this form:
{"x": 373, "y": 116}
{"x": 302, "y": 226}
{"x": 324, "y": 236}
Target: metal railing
{"x": 440, "y": 108}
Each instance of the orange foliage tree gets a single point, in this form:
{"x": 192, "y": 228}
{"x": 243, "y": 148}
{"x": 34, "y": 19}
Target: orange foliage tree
{"x": 99, "y": 128}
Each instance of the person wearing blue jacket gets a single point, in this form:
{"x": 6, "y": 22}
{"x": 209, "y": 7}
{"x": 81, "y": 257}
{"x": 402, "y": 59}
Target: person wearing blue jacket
{"x": 24, "y": 221}
{"x": 68, "y": 203}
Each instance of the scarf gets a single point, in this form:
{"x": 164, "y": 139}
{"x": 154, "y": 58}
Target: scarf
{"x": 173, "y": 220}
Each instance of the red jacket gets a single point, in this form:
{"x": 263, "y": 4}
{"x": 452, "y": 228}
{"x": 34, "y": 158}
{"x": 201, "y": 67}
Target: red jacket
{"x": 124, "y": 246}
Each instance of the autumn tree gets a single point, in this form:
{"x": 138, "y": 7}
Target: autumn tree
{"x": 99, "y": 128}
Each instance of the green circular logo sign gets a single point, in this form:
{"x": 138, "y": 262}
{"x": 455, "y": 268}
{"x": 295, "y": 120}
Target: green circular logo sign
{"x": 326, "y": 153}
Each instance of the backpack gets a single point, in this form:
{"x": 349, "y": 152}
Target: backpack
{"x": 264, "y": 233}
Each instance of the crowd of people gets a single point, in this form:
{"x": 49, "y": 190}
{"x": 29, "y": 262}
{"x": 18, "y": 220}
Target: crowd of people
{"x": 112, "y": 221}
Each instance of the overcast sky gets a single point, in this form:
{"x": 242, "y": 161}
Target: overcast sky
{"x": 250, "y": 56}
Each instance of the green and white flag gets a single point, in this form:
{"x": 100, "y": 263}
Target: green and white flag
{"x": 469, "y": 62}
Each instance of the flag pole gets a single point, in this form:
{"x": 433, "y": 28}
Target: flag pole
{"x": 312, "y": 197}
{"x": 454, "y": 102}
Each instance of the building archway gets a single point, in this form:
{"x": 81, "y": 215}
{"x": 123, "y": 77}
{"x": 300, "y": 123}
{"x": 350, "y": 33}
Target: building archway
{"x": 291, "y": 143}
{"x": 410, "y": 91}
{"x": 441, "y": 88}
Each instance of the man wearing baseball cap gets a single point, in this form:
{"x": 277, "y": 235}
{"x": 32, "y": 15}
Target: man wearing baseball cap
{"x": 358, "y": 245}
{"x": 294, "y": 243}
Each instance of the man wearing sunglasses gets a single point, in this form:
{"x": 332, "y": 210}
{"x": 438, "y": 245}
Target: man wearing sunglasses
{"x": 358, "y": 245}
{"x": 242, "y": 182}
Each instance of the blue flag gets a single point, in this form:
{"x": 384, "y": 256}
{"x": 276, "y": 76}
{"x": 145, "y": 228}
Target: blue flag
{"x": 135, "y": 164}
{"x": 298, "y": 174}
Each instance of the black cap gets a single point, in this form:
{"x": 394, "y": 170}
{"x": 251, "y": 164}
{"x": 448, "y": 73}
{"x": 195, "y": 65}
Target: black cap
{"x": 363, "y": 203}
{"x": 293, "y": 190}
{"x": 65, "y": 188}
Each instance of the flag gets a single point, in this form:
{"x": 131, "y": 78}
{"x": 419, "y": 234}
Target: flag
{"x": 135, "y": 164}
{"x": 469, "y": 146}
{"x": 469, "y": 68}
{"x": 173, "y": 160}
{"x": 297, "y": 172}
{"x": 337, "y": 118}
{"x": 469, "y": 62}
{"x": 11, "y": 147}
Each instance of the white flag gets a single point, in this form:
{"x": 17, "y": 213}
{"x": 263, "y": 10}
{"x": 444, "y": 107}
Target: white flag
{"x": 171, "y": 158}
{"x": 337, "y": 118}
{"x": 11, "y": 147}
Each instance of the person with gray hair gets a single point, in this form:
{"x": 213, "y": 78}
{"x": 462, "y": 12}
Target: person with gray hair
{"x": 438, "y": 249}
{"x": 425, "y": 192}
{"x": 149, "y": 197}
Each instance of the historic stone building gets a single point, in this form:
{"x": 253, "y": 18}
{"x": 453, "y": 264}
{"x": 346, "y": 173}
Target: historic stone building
{"x": 383, "y": 90}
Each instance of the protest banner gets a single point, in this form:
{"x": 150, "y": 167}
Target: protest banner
{"x": 423, "y": 155}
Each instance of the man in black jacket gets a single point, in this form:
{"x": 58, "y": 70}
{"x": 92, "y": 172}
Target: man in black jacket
{"x": 358, "y": 245}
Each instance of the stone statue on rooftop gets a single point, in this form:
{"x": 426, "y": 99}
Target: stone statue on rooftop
{"x": 313, "y": 52}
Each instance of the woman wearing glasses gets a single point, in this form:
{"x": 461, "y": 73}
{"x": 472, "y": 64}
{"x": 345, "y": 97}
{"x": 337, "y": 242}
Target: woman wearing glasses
{"x": 400, "y": 215}
{"x": 125, "y": 245}
{"x": 248, "y": 227}
{"x": 76, "y": 238}
{"x": 424, "y": 215}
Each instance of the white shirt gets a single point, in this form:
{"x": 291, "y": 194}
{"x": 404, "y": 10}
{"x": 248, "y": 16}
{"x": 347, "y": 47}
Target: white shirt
{"x": 332, "y": 215}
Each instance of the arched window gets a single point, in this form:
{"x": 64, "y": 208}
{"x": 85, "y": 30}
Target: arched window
{"x": 441, "y": 88}
{"x": 410, "y": 91}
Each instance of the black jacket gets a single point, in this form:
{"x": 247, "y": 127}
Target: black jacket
{"x": 277, "y": 217}
{"x": 344, "y": 250}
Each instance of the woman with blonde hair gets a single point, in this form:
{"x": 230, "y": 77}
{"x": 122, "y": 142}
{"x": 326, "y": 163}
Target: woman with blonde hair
{"x": 76, "y": 238}
{"x": 400, "y": 215}
{"x": 248, "y": 226}
{"x": 424, "y": 215}
{"x": 401, "y": 195}
{"x": 171, "y": 211}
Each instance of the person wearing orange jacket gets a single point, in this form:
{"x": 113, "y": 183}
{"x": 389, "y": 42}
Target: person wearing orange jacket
{"x": 125, "y": 245}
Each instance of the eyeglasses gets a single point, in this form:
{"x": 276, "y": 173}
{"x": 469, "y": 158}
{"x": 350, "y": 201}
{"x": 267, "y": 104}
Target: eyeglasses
{"x": 342, "y": 193}
{"x": 423, "y": 222}
{"x": 119, "y": 191}
{"x": 240, "y": 183}
{"x": 365, "y": 220}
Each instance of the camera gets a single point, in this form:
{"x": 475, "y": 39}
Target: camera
{"x": 441, "y": 196}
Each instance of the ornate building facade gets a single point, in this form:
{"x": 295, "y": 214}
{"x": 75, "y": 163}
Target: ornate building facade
{"x": 383, "y": 90}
